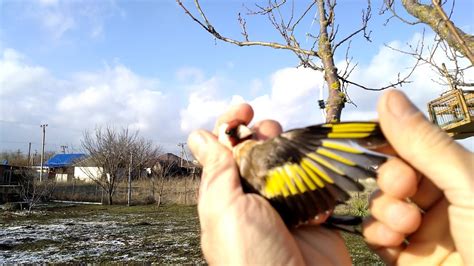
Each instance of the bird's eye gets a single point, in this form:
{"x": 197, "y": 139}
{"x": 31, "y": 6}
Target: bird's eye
{"x": 231, "y": 132}
{"x": 232, "y": 127}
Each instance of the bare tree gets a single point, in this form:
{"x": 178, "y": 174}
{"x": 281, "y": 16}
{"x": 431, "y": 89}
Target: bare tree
{"x": 31, "y": 190}
{"x": 318, "y": 54}
{"x": 162, "y": 173}
{"x": 109, "y": 151}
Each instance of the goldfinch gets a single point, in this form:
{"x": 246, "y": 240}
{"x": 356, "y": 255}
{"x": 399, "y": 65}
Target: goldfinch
{"x": 306, "y": 172}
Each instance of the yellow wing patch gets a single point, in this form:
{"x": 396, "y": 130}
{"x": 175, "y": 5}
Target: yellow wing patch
{"x": 312, "y": 172}
{"x": 350, "y": 130}
{"x": 271, "y": 186}
{"x": 294, "y": 179}
{"x": 347, "y": 135}
{"x": 303, "y": 175}
{"x": 340, "y": 146}
{"x": 334, "y": 156}
{"x": 288, "y": 181}
{"x": 325, "y": 163}
{"x": 352, "y": 127}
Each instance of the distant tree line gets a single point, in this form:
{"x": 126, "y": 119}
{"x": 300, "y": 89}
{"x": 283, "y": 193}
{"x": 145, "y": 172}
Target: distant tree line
{"x": 19, "y": 158}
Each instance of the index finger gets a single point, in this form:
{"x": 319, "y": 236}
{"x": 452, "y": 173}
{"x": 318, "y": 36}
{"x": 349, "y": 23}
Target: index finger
{"x": 242, "y": 112}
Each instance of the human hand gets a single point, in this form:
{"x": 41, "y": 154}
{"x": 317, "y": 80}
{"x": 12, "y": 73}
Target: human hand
{"x": 436, "y": 174}
{"x": 239, "y": 228}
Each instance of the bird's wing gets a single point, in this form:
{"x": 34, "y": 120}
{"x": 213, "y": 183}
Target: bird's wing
{"x": 310, "y": 170}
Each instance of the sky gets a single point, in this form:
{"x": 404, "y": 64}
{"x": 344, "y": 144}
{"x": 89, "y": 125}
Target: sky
{"x": 81, "y": 64}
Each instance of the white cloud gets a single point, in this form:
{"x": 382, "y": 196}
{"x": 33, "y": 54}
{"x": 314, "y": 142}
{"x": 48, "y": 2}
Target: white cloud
{"x": 30, "y": 95}
{"x": 23, "y": 88}
{"x": 293, "y": 94}
{"x": 292, "y": 100}
{"x": 204, "y": 105}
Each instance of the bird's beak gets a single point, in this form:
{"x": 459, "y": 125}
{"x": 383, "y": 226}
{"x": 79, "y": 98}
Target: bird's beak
{"x": 243, "y": 132}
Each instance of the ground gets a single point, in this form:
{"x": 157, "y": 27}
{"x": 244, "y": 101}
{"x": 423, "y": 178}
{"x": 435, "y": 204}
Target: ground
{"x": 91, "y": 233}
{"x": 102, "y": 234}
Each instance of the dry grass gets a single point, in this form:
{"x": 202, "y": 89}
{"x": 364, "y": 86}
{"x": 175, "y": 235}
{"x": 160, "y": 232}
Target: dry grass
{"x": 181, "y": 190}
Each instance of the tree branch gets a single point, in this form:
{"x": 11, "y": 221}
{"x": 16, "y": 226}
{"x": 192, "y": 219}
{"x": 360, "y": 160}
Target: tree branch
{"x": 454, "y": 31}
{"x": 440, "y": 23}
{"x": 209, "y": 28}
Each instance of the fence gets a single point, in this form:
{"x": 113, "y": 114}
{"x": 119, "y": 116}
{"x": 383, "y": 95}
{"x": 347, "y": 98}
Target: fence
{"x": 182, "y": 190}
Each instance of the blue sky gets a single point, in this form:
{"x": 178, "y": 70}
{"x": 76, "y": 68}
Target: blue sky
{"x": 144, "y": 64}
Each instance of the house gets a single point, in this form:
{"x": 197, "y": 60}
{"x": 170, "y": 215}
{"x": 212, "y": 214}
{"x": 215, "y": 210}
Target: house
{"x": 61, "y": 166}
{"x": 172, "y": 165}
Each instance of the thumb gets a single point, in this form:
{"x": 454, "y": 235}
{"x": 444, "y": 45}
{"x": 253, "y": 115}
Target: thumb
{"x": 220, "y": 178}
{"x": 426, "y": 147}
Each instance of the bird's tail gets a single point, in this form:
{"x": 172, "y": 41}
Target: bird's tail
{"x": 349, "y": 224}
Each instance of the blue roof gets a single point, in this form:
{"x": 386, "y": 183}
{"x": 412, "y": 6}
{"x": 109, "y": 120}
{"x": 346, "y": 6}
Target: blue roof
{"x": 63, "y": 160}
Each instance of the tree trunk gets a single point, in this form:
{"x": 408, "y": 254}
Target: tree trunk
{"x": 160, "y": 194}
{"x": 110, "y": 192}
{"x": 336, "y": 97}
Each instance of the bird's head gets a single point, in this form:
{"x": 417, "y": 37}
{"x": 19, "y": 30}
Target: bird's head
{"x": 234, "y": 132}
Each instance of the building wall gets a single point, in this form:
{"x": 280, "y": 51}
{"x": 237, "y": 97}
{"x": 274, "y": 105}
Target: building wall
{"x": 84, "y": 173}
{"x": 62, "y": 174}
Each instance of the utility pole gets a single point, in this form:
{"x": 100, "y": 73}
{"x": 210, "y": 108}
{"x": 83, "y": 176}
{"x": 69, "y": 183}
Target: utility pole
{"x": 29, "y": 154}
{"x": 182, "y": 153}
{"x": 34, "y": 158}
{"x": 43, "y": 126}
{"x": 130, "y": 180}
{"x": 185, "y": 153}
{"x": 64, "y": 147}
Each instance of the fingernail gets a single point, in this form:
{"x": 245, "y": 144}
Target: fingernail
{"x": 197, "y": 142}
{"x": 399, "y": 105}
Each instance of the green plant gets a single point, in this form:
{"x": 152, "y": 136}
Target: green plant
{"x": 359, "y": 206}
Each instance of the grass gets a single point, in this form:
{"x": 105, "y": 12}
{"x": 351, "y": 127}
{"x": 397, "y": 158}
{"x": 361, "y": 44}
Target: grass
{"x": 360, "y": 253}
{"x": 143, "y": 233}
{"x": 146, "y": 233}
{"x": 182, "y": 190}
{"x": 91, "y": 233}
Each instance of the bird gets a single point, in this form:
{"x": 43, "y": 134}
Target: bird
{"x": 305, "y": 172}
